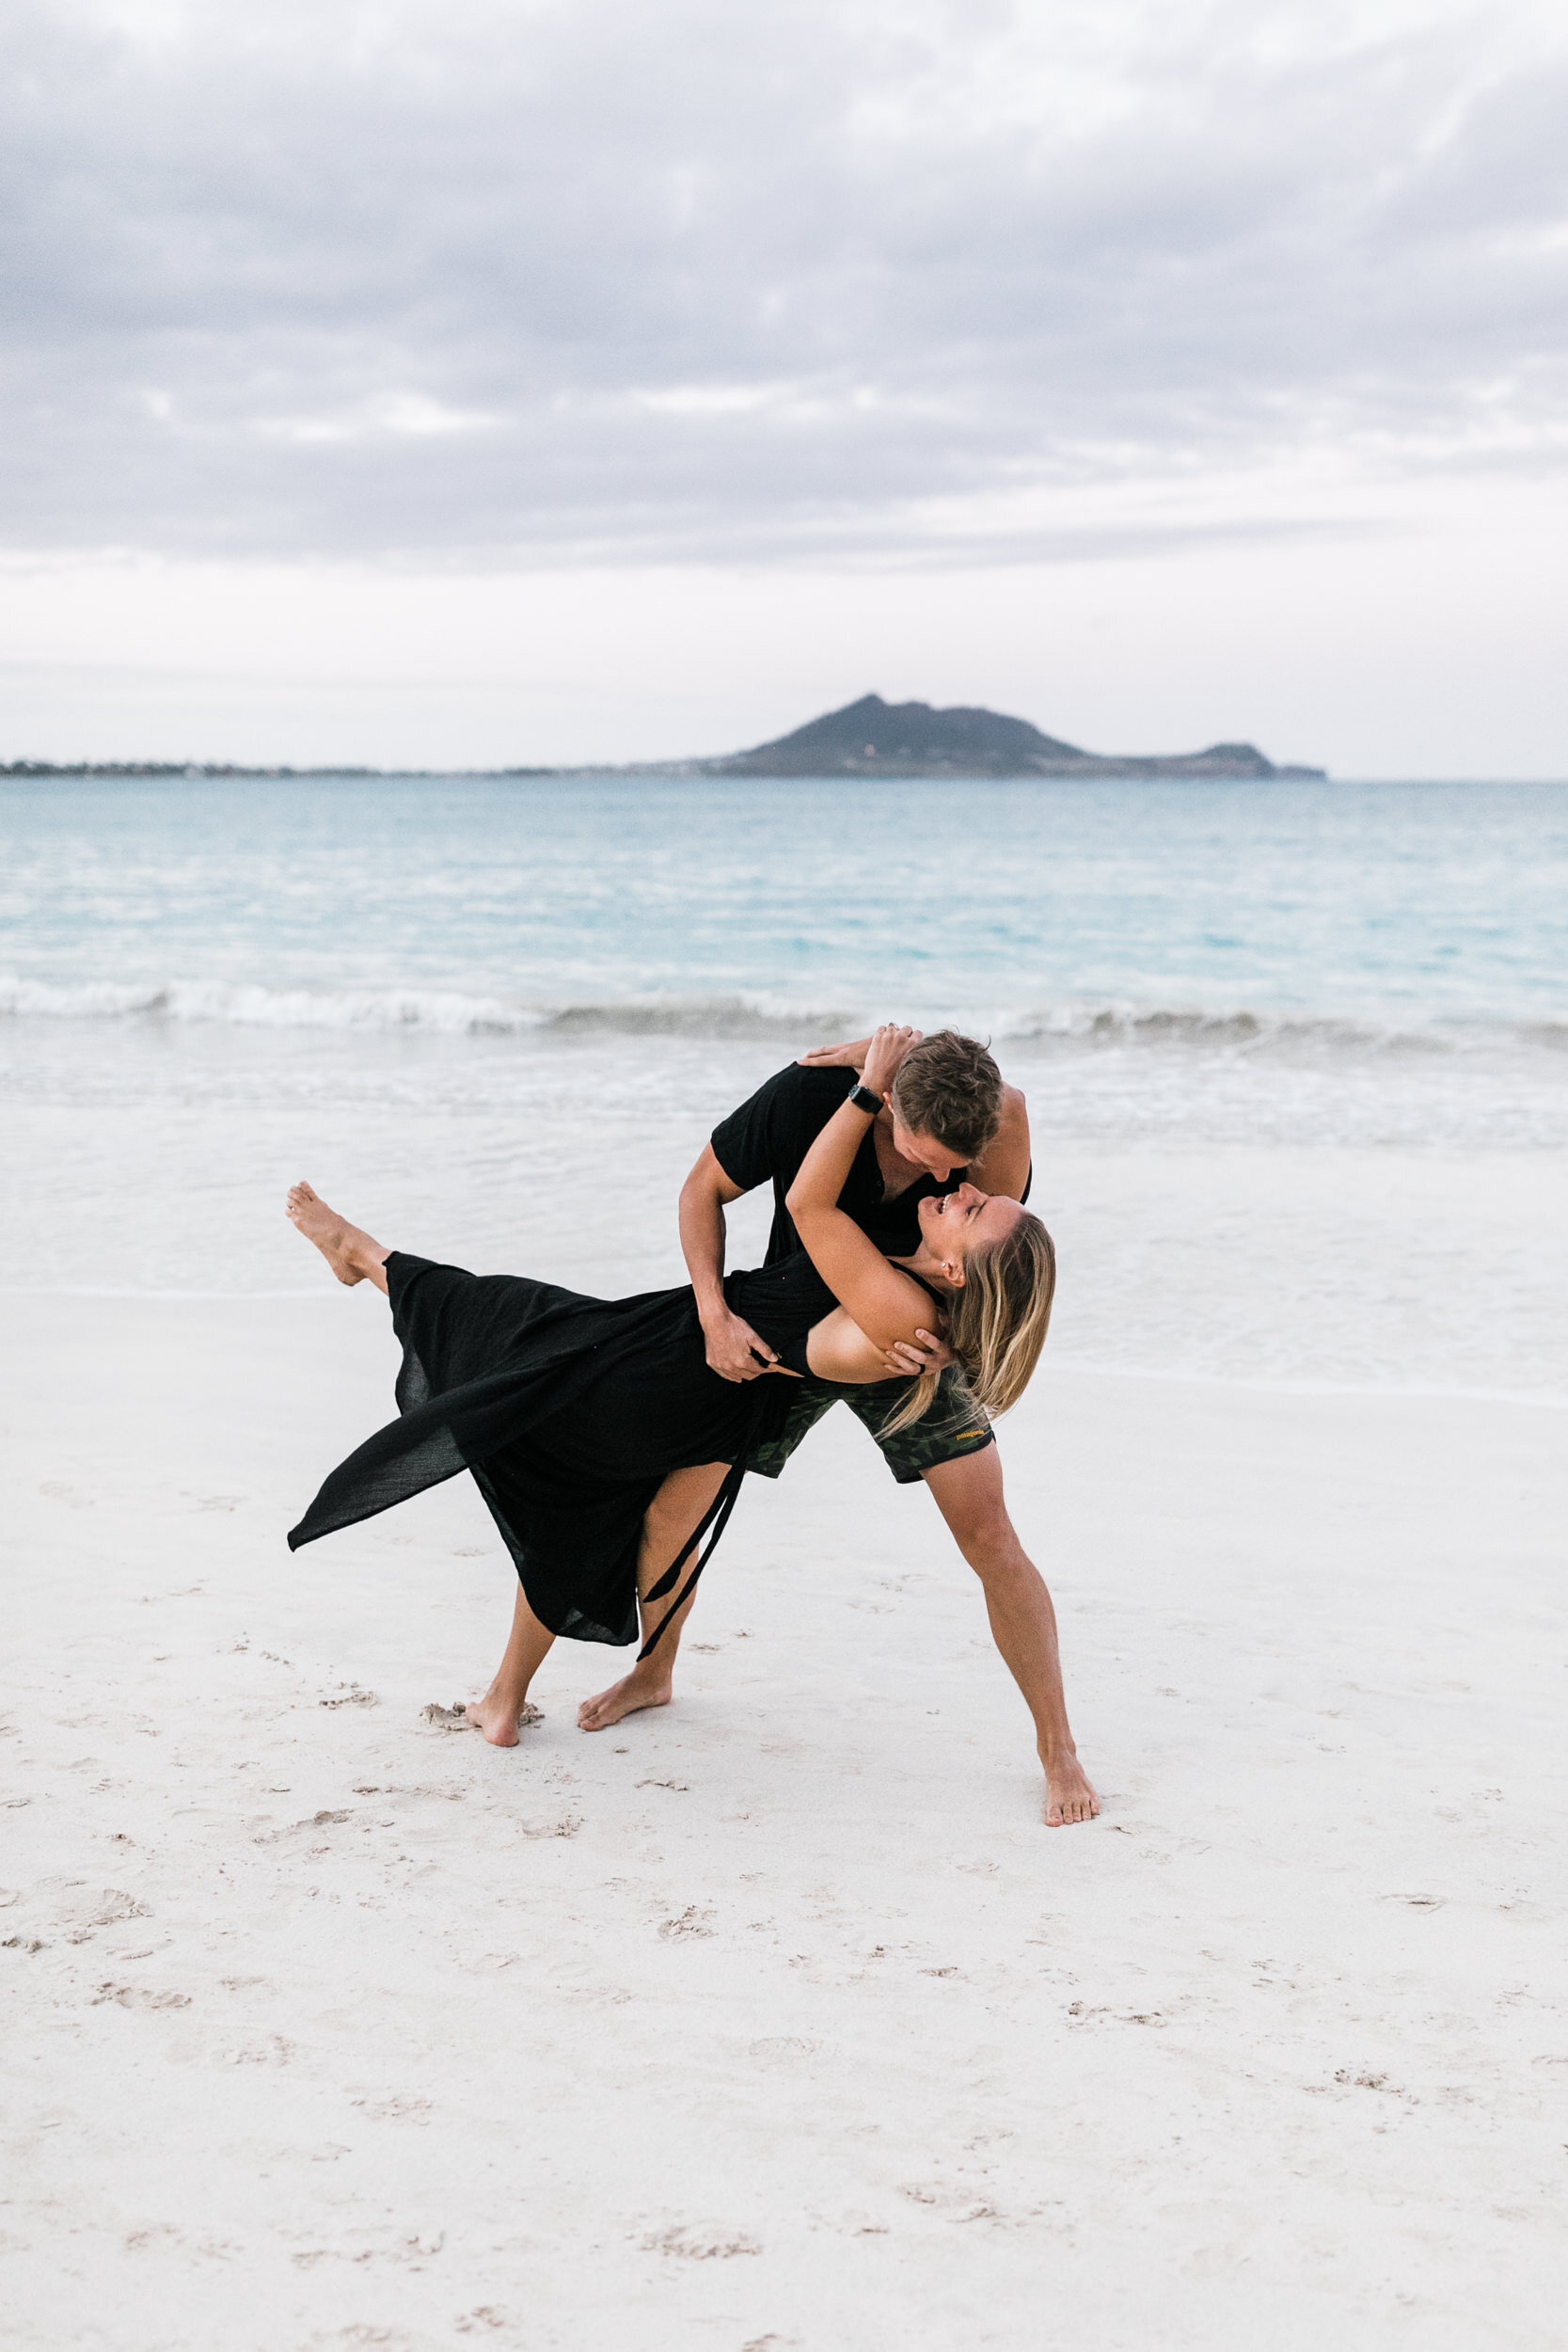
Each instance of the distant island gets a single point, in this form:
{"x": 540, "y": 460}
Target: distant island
{"x": 870, "y": 737}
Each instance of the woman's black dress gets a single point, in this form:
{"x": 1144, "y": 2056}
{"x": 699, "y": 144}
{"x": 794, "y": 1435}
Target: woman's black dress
{"x": 570, "y": 1412}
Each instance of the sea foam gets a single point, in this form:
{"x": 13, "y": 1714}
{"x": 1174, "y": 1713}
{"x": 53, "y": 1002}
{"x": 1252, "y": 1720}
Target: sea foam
{"x": 769, "y": 1014}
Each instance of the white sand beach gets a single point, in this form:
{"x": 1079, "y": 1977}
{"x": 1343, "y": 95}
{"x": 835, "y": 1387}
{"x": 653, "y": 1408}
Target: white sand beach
{"x": 776, "y": 2019}
{"x": 558, "y": 561}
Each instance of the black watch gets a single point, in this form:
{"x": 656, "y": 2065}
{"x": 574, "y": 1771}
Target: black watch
{"x": 864, "y": 1100}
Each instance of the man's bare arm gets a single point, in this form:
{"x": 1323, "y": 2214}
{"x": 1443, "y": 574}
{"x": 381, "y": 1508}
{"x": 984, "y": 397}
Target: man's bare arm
{"x": 1002, "y": 1167}
{"x": 735, "y": 1351}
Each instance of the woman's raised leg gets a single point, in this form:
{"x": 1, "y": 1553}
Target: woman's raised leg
{"x": 352, "y": 1256}
{"x": 675, "y": 1511}
{"x": 497, "y": 1713}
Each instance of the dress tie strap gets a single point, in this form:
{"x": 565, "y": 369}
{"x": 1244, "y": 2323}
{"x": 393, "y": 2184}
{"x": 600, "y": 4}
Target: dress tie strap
{"x": 715, "y": 1519}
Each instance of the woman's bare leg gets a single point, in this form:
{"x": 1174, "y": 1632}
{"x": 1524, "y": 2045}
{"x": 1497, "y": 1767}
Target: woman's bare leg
{"x": 352, "y": 1256}
{"x": 497, "y": 1713}
{"x": 675, "y": 1511}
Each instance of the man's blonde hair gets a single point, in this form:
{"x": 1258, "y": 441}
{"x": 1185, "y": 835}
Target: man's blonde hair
{"x": 948, "y": 1088}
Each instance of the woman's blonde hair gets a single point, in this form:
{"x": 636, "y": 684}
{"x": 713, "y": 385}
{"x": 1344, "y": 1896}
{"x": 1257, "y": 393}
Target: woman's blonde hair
{"x": 995, "y": 1325}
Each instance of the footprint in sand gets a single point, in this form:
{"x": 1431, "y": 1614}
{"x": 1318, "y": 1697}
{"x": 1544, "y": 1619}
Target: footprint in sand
{"x": 455, "y": 1718}
{"x": 58, "y": 1492}
{"x": 137, "y": 1996}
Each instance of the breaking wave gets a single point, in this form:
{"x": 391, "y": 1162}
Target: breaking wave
{"x": 440, "y": 1011}
{"x": 1072, "y": 1027}
{"x": 1243, "y": 1032}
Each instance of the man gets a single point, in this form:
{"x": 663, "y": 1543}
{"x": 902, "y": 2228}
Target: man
{"x": 948, "y": 1116}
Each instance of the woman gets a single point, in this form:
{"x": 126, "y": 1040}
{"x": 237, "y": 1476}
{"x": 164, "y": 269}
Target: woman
{"x": 581, "y": 1418}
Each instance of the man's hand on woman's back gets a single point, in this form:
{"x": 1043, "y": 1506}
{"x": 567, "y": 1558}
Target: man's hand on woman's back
{"x": 734, "y": 1351}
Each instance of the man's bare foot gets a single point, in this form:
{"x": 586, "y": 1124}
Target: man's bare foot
{"x": 500, "y": 1719}
{"x": 1069, "y": 1796}
{"x": 350, "y": 1253}
{"x": 636, "y": 1690}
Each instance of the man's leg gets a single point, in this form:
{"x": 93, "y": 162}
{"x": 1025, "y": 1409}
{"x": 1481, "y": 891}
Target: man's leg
{"x": 968, "y": 1493}
{"x": 675, "y": 1510}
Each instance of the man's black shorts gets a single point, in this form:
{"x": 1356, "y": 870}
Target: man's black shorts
{"x": 955, "y": 1425}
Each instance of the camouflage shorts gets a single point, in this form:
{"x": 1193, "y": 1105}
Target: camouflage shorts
{"x": 955, "y": 1425}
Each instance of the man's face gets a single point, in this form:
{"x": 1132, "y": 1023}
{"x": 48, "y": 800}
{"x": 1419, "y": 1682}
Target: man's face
{"x": 925, "y": 1151}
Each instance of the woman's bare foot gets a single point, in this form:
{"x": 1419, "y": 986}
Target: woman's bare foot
{"x": 501, "y": 1718}
{"x": 642, "y": 1687}
{"x": 351, "y": 1254}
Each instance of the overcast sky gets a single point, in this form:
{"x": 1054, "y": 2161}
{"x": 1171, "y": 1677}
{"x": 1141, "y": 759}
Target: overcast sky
{"x": 634, "y": 376}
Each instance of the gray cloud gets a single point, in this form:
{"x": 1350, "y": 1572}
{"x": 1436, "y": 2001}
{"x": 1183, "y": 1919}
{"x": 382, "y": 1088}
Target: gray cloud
{"x": 474, "y": 282}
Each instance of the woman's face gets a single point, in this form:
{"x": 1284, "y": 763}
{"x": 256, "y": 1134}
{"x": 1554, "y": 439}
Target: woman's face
{"x": 965, "y": 1219}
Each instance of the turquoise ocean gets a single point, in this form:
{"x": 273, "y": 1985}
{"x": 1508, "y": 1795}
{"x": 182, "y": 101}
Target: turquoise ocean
{"x": 1296, "y": 1053}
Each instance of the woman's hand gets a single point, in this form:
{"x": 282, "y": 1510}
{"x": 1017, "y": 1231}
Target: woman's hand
{"x": 847, "y": 1056}
{"x": 885, "y": 1050}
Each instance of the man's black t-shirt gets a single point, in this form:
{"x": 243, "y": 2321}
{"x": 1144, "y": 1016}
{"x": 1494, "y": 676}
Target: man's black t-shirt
{"x": 770, "y": 1136}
